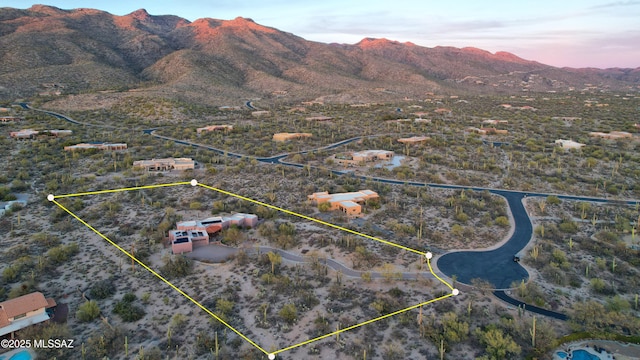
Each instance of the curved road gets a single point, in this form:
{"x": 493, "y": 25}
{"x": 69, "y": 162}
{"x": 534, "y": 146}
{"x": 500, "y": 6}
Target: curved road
{"x": 527, "y": 307}
{"x": 220, "y": 253}
{"x": 496, "y": 266}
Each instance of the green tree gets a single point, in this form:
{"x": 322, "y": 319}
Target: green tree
{"x": 498, "y": 345}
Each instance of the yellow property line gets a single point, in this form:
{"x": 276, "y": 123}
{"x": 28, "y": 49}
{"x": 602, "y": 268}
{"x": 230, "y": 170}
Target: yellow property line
{"x": 314, "y": 220}
{"x": 438, "y": 277}
{"x": 120, "y": 190}
{"x": 362, "y": 324}
{"x": 269, "y": 354}
{"x": 163, "y": 279}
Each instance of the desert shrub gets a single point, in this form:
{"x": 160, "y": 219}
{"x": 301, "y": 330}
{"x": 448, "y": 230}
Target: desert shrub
{"x": 103, "y": 289}
{"x": 127, "y": 310}
{"x": 88, "y": 311}
{"x": 177, "y": 266}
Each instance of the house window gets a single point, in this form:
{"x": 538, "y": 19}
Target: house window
{"x": 19, "y": 316}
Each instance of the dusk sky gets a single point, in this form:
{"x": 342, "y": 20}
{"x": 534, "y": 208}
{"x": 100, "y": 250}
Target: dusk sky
{"x": 576, "y": 33}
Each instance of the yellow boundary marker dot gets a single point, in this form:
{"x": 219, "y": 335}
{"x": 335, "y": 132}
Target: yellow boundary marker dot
{"x": 271, "y": 355}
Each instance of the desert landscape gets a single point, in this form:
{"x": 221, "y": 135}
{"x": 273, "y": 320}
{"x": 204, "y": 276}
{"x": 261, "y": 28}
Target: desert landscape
{"x": 401, "y": 204}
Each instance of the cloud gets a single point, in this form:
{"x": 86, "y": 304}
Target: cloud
{"x": 615, "y": 4}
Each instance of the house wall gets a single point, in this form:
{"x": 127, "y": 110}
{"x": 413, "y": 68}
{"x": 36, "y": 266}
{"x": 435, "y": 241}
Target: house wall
{"x": 28, "y": 315}
{"x": 182, "y": 248}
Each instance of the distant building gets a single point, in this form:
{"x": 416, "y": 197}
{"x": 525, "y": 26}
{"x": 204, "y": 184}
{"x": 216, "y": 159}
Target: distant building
{"x": 613, "y": 135}
{"x": 32, "y": 134}
{"x": 98, "y": 146}
{"x": 24, "y": 311}
{"x": 290, "y": 136}
{"x": 165, "y": 164}
{"x": 569, "y": 144}
{"x": 260, "y": 113}
{"x": 215, "y": 128}
{"x": 413, "y": 140}
{"x": 24, "y": 134}
{"x": 358, "y": 157}
{"x": 494, "y": 122}
{"x": 444, "y": 111}
{"x": 349, "y": 203}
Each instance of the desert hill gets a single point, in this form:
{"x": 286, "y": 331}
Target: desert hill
{"x": 86, "y": 50}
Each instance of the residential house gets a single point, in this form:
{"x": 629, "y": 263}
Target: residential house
{"x": 32, "y": 134}
{"x": 349, "y": 203}
{"x": 183, "y": 241}
{"x": 98, "y": 146}
{"x": 194, "y": 233}
{"x": 165, "y": 164}
{"x": 214, "y": 128}
{"x": 290, "y": 136}
{"x": 260, "y": 113}
{"x": 613, "y": 135}
{"x": 443, "y": 111}
{"x": 24, "y": 311}
{"x": 24, "y": 134}
{"x": 569, "y": 144}
{"x": 414, "y": 139}
{"x": 494, "y": 121}
{"x": 359, "y": 157}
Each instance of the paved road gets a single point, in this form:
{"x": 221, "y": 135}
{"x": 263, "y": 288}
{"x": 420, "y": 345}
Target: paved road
{"x": 527, "y": 307}
{"x": 221, "y": 253}
{"x": 496, "y": 266}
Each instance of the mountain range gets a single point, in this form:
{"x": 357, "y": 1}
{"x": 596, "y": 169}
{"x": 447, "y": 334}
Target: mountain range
{"x": 47, "y": 50}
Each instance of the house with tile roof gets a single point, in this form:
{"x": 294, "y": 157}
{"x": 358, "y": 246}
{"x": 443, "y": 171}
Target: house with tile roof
{"x": 24, "y": 311}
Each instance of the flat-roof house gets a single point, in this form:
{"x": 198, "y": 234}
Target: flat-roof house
{"x": 260, "y": 113}
{"x": 413, "y": 139}
{"x": 24, "y": 311}
{"x": 494, "y": 121}
{"x": 358, "y": 157}
{"x": 32, "y": 134}
{"x": 24, "y": 134}
{"x": 193, "y": 233}
{"x": 214, "y": 128}
{"x": 346, "y": 202}
{"x": 165, "y": 164}
{"x": 183, "y": 241}
{"x": 290, "y": 136}
{"x": 568, "y": 144}
{"x": 99, "y": 146}
{"x": 613, "y": 135}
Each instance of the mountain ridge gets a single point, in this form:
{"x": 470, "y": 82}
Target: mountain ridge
{"x": 90, "y": 50}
